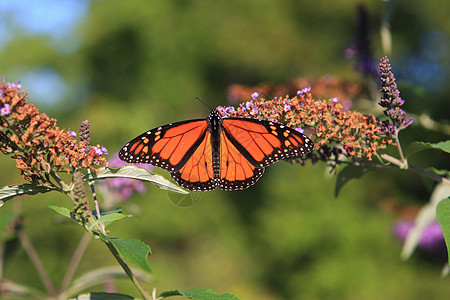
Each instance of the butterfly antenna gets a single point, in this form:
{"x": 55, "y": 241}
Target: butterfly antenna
{"x": 204, "y": 103}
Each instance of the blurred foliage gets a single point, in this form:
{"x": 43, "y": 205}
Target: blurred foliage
{"x": 141, "y": 64}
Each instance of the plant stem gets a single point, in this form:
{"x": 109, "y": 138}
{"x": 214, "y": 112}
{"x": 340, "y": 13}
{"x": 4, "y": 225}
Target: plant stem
{"x": 400, "y": 164}
{"x": 97, "y": 208}
{"x": 82, "y": 246}
{"x": 29, "y": 249}
{"x": 128, "y": 271}
{"x": 431, "y": 175}
{"x": 404, "y": 164}
{"x": 392, "y": 160}
{"x": 58, "y": 179}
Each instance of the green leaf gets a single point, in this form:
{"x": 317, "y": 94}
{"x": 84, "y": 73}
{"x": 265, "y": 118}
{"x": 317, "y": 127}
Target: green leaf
{"x": 348, "y": 173}
{"x": 11, "y": 191}
{"x": 443, "y": 216}
{"x": 135, "y": 172}
{"x": 103, "y": 296}
{"x": 134, "y": 251}
{"x": 61, "y": 210}
{"x": 108, "y": 219}
{"x": 415, "y": 147}
{"x": 200, "y": 294}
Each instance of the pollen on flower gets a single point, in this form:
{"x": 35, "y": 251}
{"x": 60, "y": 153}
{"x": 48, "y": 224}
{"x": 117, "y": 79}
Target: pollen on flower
{"x": 39, "y": 145}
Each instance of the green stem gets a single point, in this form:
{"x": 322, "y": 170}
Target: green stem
{"x": 404, "y": 164}
{"x": 97, "y": 208}
{"x": 401, "y": 165}
{"x": 431, "y": 175}
{"x": 393, "y": 160}
{"x": 58, "y": 179}
{"x": 128, "y": 271}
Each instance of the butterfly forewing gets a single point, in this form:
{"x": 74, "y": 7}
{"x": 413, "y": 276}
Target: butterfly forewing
{"x": 167, "y": 147}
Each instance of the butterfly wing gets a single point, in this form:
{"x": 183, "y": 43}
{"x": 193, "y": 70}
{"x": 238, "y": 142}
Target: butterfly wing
{"x": 198, "y": 171}
{"x": 248, "y": 146}
{"x": 236, "y": 170}
{"x": 183, "y": 148}
{"x": 230, "y": 153}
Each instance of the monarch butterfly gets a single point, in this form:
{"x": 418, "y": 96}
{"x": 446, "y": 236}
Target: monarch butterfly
{"x": 229, "y": 153}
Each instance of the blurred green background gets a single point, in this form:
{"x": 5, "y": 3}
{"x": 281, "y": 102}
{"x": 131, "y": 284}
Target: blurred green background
{"x": 129, "y": 66}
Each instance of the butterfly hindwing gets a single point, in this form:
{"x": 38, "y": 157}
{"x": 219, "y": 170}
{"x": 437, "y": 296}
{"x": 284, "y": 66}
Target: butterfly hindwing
{"x": 236, "y": 171}
{"x": 198, "y": 171}
{"x": 264, "y": 142}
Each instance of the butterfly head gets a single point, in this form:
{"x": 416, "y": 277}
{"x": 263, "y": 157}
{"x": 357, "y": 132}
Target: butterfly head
{"x": 214, "y": 119}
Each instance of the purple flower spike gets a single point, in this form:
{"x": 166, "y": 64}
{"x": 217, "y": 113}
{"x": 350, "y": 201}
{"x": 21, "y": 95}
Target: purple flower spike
{"x": 391, "y": 99}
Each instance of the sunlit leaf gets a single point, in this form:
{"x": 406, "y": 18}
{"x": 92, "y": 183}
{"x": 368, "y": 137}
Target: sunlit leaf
{"x": 61, "y": 210}
{"x": 134, "y": 251}
{"x": 200, "y": 294}
{"x": 135, "y": 172}
{"x": 443, "y": 216}
{"x": 10, "y": 191}
{"x": 108, "y": 219}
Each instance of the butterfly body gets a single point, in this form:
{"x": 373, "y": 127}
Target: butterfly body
{"x": 229, "y": 153}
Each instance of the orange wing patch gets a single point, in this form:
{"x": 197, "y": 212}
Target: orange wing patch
{"x": 176, "y": 141}
{"x": 264, "y": 142}
{"x": 236, "y": 172}
{"x": 198, "y": 172}
{"x": 167, "y": 147}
